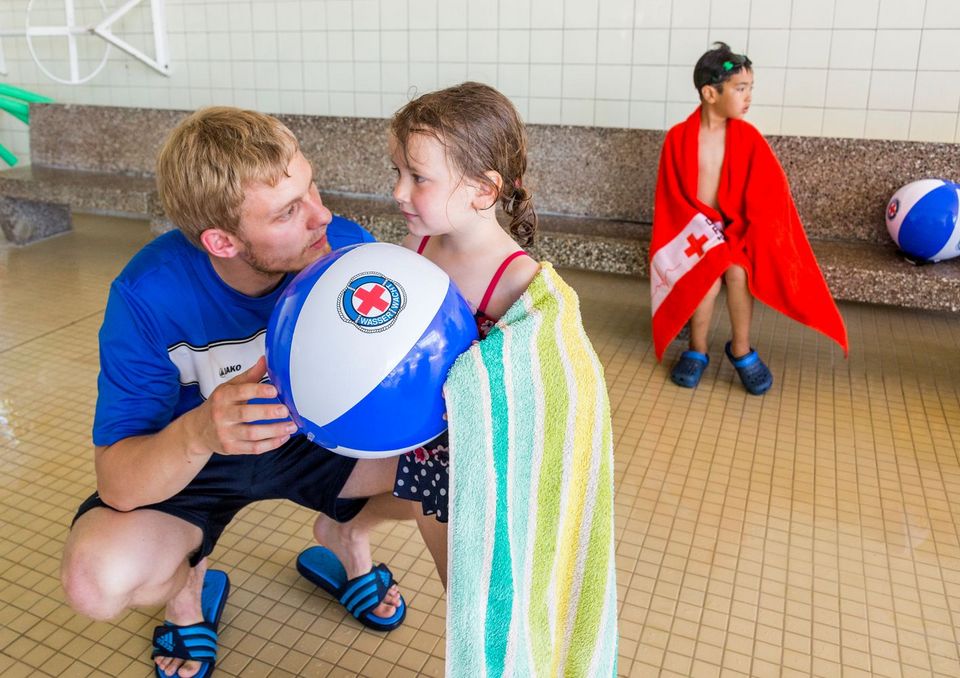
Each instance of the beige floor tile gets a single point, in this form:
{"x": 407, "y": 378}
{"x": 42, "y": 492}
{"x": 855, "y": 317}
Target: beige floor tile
{"x": 809, "y": 532}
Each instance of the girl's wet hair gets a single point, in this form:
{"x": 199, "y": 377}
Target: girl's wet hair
{"x": 480, "y": 131}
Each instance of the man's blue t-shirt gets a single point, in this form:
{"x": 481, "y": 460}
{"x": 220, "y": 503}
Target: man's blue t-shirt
{"x": 173, "y": 331}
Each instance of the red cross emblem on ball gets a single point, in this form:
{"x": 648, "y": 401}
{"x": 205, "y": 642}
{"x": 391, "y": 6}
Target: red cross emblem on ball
{"x": 371, "y": 302}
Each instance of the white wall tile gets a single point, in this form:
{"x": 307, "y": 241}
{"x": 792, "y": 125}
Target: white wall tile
{"x": 805, "y": 87}
{"x": 482, "y": 15}
{"x": 856, "y": 13}
{"x": 926, "y": 126}
{"x": 768, "y": 47}
{"x": 897, "y": 50}
{"x": 769, "y": 86}
{"x": 511, "y": 49}
{"x": 580, "y": 14}
{"x": 887, "y": 125}
{"x": 675, "y": 112}
{"x": 263, "y": 16}
{"x": 545, "y": 14}
{"x": 421, "y": 14}
{"x": 614, "y": 46}
{"x": 937, "y": 91}
{"x": 482, "y": 46}
{"x": 686, "y": 45}
{"x": 615, "y": 14}
{"x": 546, "y": 46}
{"x": 451, "y": 46}
{"x": 514, "y": 14}
{"x": 809, "y": 49}
{"x": 843, "y": 122}
{"x": 393, "y": 14}
{"x": 730, "y": 14}
{"x": 579, "y": 46}
{"x": 847, "y": 88}
{"x": 576, "y": 111}
{"x": 649, "y": 83}
{"x": 452, "y": 14}
{"x": 366, "y": 14}
{"x": 942, "y": 14}
{"x": 690, "y": 14}
{"x": 544, "y": 111}
{"x": 652, "y": 13}
{"x": 852, "y": 49}
{"x": 939, "y": 49}
{"x": 611, "y": 113}
{"x": 545, "y": 81}
{"x": 891, "y": 90}
{"x": 812, "y": 14}
{"x": 647, "y": 115}
{"x": 423, "y": 45}
{"x": 613, "y": 82}
{"x": 765, "y": 118}
{"x": 424, "y": 76}
{"x": 651, "y": 46}
{"x": 514, "y": 80}
{"x": 579, "y": 82}
{"x": 901, "y": 13}
{"x": 801, "y": 121}
{"x": 680, "y": 85}
{"x": 770, "y": 14}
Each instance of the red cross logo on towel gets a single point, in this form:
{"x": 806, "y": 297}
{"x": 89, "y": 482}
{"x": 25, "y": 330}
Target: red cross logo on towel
{"x": 369, "y": 297}
{"x": 696, "y": 245}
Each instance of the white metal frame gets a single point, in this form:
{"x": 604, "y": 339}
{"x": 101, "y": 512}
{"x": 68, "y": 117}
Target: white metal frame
{"x": 102, "y": 29}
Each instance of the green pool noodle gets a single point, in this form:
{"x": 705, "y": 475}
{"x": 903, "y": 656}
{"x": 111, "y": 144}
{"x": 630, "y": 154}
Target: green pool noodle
{"x": 23, "y": 95}
{"x": 16, "y": 108}
{"x": 7, "y": 156}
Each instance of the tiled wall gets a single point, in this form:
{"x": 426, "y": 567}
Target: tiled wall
{"x": 857, "y": 68}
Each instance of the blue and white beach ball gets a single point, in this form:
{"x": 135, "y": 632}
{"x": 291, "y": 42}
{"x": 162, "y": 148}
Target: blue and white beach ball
{"x": 359, "y": 346}
{"x": 922, "y": 219}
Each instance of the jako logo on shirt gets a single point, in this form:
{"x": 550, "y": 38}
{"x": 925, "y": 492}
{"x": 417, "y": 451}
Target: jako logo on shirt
{"x": 230, "y": 369}
{"x": 371, "y": 302}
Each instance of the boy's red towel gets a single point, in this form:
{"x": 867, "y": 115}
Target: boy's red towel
{"x": 691, "y": 247}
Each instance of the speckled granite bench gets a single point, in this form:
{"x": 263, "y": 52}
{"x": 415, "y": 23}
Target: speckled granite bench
{"x": 593, "y": 188}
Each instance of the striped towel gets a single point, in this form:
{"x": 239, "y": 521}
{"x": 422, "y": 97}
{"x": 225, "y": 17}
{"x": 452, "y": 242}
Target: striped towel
{"x": 532, "y": 589}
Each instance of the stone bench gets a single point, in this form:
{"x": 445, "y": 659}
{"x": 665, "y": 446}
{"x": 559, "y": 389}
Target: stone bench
{"x": 593, "y": 188}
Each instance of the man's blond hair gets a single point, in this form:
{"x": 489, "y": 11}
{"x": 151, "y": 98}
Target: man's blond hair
{"x": 208, "y": 160}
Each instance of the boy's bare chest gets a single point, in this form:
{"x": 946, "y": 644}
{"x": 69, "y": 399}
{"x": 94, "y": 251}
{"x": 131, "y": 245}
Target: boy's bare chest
{"x": 709, "y": 161}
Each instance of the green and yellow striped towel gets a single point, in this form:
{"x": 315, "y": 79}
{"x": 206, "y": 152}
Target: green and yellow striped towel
{"x": 532, "y": 589}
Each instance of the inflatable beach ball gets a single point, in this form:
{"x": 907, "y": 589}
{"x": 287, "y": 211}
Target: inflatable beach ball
{"x": 922, "y": 219}
{"x": 359, "y": 346}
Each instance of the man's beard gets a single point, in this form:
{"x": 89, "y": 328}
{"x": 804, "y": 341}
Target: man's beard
{"x": 268, "y": 267}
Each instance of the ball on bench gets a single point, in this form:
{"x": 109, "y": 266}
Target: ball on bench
{"x": 359, "y": 346}
{"x": 922, "y": 219}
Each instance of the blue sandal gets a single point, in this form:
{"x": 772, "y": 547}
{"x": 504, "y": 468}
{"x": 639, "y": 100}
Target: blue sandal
{"x": 754, "y": 374}
{"x": 689, "y": 368}
{"x": 195, "y": 642}
{"x": 359, "y": 595}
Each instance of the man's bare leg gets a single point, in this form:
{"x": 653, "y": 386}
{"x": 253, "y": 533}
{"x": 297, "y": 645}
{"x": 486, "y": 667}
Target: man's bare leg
{"x": 350, "y": 541}
{"x": 116, "y": 561}
{"x": 740, "y": 307}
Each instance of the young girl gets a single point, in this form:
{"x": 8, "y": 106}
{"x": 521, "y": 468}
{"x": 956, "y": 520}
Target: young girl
{"x": 458, "y": 153}
{"x": 527, "y": 464}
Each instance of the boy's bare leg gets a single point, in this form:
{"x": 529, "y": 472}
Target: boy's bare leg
{"x": 740, "y": 306}
{"x": 700, "y": 320}
{"x": 116, "y": 561}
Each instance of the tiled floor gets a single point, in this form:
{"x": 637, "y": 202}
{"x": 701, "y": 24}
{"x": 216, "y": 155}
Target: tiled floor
{"x": 810, "y": 532}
